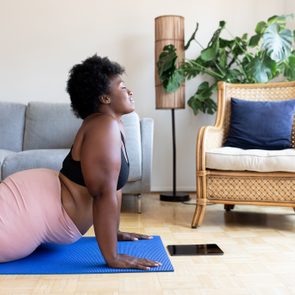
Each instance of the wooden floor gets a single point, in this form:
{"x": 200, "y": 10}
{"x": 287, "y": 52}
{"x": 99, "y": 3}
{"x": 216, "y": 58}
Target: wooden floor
{"x": 259, "y": 246}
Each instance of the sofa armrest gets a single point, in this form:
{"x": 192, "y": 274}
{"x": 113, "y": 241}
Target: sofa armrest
{"x": 147, "y": 136}
{"x": 31, "y": 159}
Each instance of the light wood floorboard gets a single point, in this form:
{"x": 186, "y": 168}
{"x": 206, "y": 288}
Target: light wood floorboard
{"x": 259, "y": 259}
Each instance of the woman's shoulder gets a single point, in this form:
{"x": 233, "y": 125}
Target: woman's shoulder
{"x": 96, "y": 130}
{"x": 101, "y": 123}
{"x": 99, "y": 119}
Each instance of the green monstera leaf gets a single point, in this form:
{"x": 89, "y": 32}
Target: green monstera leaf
{"x": 290, "y": 68}
{"x": 210, "y": 53}
{"x": 261, "y": 69}
{"x": 277, "y": 42}
{"x": 201, "y": 100}
{"x": 166, "y": 63}
{"x": 175, "y": 81}
{"x": 171, "y": 76}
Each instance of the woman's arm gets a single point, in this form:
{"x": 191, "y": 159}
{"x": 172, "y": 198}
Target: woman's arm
{"x": 105, "y": 212}
{"x": 100, "y": 158}
{"x": 126, "y": 236}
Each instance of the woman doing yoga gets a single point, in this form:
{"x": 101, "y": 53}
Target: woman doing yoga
{"x": 41, "y": 205}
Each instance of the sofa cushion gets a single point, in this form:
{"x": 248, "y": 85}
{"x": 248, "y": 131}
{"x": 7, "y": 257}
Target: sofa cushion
{"x": 261, "y": 124}
{"x": 133, "y": 145}
{"x": 12, "y": 126}
{"x": 229, "y": 158}
{"x": 45, "y": 158}
{"x": 50, "y": 126}
{"x": 52, "y": 158}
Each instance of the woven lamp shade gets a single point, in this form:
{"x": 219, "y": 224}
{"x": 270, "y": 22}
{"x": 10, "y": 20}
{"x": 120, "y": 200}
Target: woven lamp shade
{"x": 169, "y": 29}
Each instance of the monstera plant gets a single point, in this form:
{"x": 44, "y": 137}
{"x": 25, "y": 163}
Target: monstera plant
{"x": 268, "y": 54}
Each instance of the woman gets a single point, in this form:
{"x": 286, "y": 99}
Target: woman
{"x": 41, "y": 205}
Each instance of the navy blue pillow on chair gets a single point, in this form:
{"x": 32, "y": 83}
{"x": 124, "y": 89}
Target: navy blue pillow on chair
{"x": 261, "y": 124}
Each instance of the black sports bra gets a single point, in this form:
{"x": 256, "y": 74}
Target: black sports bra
{"x": 72, "y": 169}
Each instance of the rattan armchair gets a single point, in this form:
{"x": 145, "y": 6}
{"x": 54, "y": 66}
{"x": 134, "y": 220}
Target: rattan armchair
{"x": 240, "y": 187}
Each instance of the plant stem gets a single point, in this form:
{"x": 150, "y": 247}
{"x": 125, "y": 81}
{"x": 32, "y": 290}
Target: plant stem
{"x": 205, "y": 70}
{"x": 220, "y": 70}
{"x": 199, "y": 43}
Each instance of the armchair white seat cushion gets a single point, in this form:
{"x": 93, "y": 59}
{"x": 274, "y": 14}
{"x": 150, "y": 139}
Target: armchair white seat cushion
{"x": 236, "y": 159}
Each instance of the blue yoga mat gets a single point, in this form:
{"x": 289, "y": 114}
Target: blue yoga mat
{"x": 84, "y": 257}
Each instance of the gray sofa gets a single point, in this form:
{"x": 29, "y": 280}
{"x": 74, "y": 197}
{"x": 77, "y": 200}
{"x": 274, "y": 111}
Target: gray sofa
{"x": 40, "y": 134}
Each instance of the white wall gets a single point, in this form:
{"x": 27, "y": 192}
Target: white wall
{"x": 290, "y": 8}
{"x": 42, "y": 39}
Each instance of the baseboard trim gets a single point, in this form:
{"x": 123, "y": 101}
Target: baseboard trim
{"x": 167, "y": 189}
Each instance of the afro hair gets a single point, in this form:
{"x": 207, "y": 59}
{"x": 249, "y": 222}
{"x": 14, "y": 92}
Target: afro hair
{"x": 88, "y": 81}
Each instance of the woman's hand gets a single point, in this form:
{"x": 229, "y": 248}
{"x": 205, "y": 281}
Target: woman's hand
{"x": 126, "y": 261}
{"x": 122, "y": 236}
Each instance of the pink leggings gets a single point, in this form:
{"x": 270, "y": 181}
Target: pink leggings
{"x": 31, "y": 213}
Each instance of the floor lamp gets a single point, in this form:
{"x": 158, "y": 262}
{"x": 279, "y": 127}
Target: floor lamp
{"x": 169, "y": 29}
